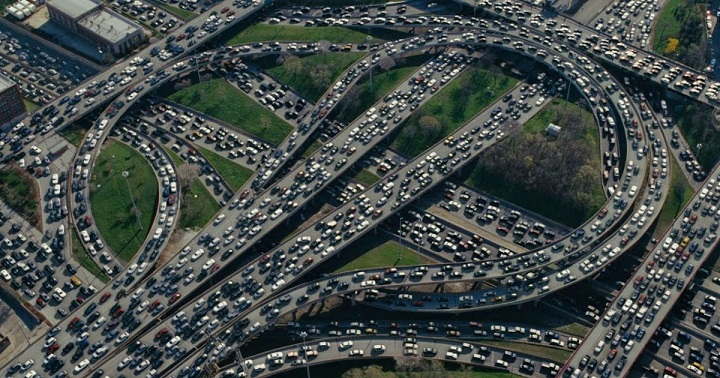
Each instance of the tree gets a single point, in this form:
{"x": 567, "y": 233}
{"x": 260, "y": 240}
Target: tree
{"x": 186, "y": 174}
{"x": 183, "y": 83}
{"x": 386, "y": 63}
{"x": 293, "y": 65}
{"x": 672, "y": 45}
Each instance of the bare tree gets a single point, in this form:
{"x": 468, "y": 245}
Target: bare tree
{"x": 183, "y": 83}
{"x": 186, "y": 174}
{"x": 386, "y": 63}
{"x": 292, "y": 64}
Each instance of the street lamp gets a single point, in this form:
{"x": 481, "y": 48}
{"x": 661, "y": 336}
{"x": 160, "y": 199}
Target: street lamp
{"x": 126, "y": 174}
{"x": 399, "y": 256}
{"x": 372, "y": 90}
{"x": 303, "y": 334}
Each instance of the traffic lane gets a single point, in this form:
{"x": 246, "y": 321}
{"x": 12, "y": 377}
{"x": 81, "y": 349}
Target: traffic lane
{"x": 626, "y": 292}
{"x": 216, "y": 231}
{"x": 469, "y": 353}
{"x": 146, "y": 53}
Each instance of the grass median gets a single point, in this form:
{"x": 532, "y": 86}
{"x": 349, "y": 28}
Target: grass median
{"x": 383, "y": 255}
{"x": 185, "y": 15}
{"x": 85, "y": 260}
{"x": 112, "y": 197}
{"x": 554, "y": 354}
{"x": 218, "y": 98}
{"x": 311, "y": 75}
{"x": 20, "y": 193}
{"x": 458, "y": 102}
{"x": 680, "y": 194}
{"x": 197, "y": 206}
{"x": 352, "y": 107}
{"x": 574, "y": 329}
{"x": 296, "y": 33}
{"x": 366, "y": 177}
{"x": 234, "y": 174}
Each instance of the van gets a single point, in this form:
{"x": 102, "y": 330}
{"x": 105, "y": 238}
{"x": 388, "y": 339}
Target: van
{"x": 599, "y": 347}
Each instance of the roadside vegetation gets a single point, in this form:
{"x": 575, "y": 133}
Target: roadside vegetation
{"x": 384, "y": 255}
{"x": 85, "y": 260}
{"x": 366, "y": 177}
{"x": 574, "y": 329}
{"x": 197, "y": 206}
{"x": 421, "y": 368}
{"x": 20, "y": 193}
{"x": 30, "y": 106}
{"x": 234, "y": 174}
{"x": 311, "y": 75}
{"x": 699, "y": 125}
{"x": 471, "y": 92}
{"x": 314, "y": 146}
{"x": 554, "y": 354}
{"x": 297, "y": 33}
{"x": 185, "y": 15}
{"x": 680, "y": 194}
{"x": 559, "y": 178}
{"x": 112, "y": 204}
{"x": 679, "y": 32}
{"x": 218, "y": 98}
{"x": 74, "y": 134}
{"x": 364, "y": 95}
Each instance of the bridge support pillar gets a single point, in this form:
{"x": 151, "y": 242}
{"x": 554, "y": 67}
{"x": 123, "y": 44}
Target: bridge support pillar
{"x": 352, "y": 301}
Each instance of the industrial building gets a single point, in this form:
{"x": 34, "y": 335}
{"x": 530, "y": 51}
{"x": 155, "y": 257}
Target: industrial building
{"x": 110, "y": 31}
{"x": 12, "y": 107}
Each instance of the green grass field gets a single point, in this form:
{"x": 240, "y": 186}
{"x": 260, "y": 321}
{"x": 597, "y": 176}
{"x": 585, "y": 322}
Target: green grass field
{"x": 85, "y": 260}
{"x": 185, "y": 15}
{"x": 666, "y": 25}
{"x": 217, "y": 98}
{"x": 313, "y": 73}
{"x": 111, "y": 203}
{"x": 234, "y": 174}
{"x": 549, "y": 353}
{"x": 574, "y": 329}
{"x": 265, "y": 32}
{"x": 19, "y": 192}
{"x": 462, "y": 99}
{"x": 314, "y": 146}
{"x": 366, "y": 177}
{"x": 176, "y": 159}
{"x": 676, "y": 199}
{"x": 30, "y": 106}
{"x": 74, "y": 134}
{"x": 382, "y": 84}
{"x": 197, "y": 206}
{"x": 385, "y": 255}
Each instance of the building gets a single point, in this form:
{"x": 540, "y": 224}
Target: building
{"x": 111, "y": 32}
{"x": 12, "y": 107}
{"x": 553, "y": 130}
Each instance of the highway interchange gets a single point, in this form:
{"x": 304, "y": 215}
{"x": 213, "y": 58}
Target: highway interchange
{"x": 290, "y": 193}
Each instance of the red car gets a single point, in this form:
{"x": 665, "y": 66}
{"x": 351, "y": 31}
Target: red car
{"x": 52, "y": 348}
{"x": 214, "y": 268}
{"x": 40, "y": 302}
{"x": 73, "y": 322}
{"x": 118, "y": 313}
{"x": 105, "y": 297}
{"x": 154, "y": 304}
{"x": 174, "y": 298}
{"x": 160, "y": 333}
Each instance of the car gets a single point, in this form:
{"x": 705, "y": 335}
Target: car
{"x": 81, "y": 366}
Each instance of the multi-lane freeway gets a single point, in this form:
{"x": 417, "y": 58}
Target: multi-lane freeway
{"x": 261, "y": 291}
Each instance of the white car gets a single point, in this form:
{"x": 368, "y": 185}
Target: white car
{"x": 143, "y": 306}
{"x": 123, "y": 336}
{"x": 125, "y": 362}
{"x": 346, "y": 345}
{"x": 82, "y": 365}
{"x": 100, "y": 352}
{"x": 197, "y": 254}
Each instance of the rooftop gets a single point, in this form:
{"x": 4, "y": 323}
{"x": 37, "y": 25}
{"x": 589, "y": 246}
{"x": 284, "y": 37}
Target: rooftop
{"x": 109, "y": 25}
{"x": 74, "y": 8}
{"x": 5, "y": 82}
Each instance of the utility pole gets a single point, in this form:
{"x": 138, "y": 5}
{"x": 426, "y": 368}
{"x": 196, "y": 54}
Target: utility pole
{"x": 303, "y": 334}
{"x": 399, "y": 256}
{"x": 137, "y": 212}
